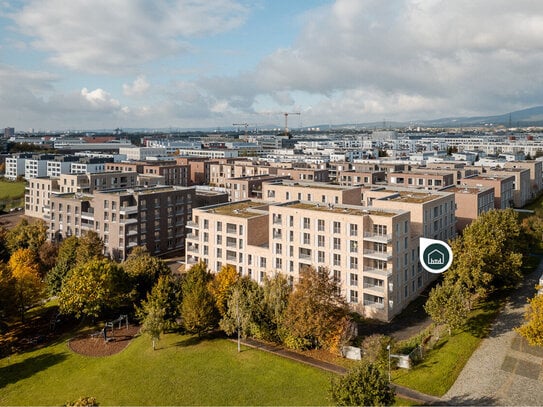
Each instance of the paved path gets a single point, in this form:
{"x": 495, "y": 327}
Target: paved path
{"x": 504, "y": 370}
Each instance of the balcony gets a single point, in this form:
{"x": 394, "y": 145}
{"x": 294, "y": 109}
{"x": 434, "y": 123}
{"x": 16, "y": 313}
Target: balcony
{"x": 127, "y": 210}
{"x": 128, "y": 221}
{"x": 373, "y": 304}
{"x": 192, "y": 236}
{"x": 379, "y": 238}
{"x": 374, "y": 254}
{"x": 87, "y": 215}
{"x": 132, "y": 232}
{"x": 304, "y": 256}
{"x": 192, "y": 248}
{"x": 374, "y": 288}
{"x": 192, "y": 225}
{"x": 377, "y": 272}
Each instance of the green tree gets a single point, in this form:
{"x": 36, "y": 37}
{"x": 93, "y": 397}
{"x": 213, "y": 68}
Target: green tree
{"x": 29, "y": 287}
{"x": 221, "y": 284}
{"x": 93, "y": 288}
{"x": 533, "y": 227}
{"x": 8, "y": 292}
{"x": 532, "y": 329}
{"x": 244, "y": 312}
{"x": 66, "y": 260}
{"x": 375, "y": 349}
{"x": 489, "y": 254}
{"x": 198, "y": 310}
{"x": 153, "y": 321}
{"x": 365, "y": 385}
{"x": 316, "y": 313}
{"x": 448, "y": 304}
{"x": 276, "y": 291}
{"x": 143, "y": 271}
{"x": 166, "y": 295}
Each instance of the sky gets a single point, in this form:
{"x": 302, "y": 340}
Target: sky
{"x": 105, "y": 64}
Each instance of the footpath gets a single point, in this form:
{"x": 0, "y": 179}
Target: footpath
{"x": 504, "y": 370}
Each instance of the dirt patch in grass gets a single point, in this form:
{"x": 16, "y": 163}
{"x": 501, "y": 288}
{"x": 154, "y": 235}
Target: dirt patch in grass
{"x": 93, "y": 344}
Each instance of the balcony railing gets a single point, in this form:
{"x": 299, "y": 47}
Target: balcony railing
{"x": 126, "y": 210}
{"x": 376, "y": 237}
{"x": 373, "y": 304}
{"x": 376, "y": 271}
{"x": 374, "y": 254}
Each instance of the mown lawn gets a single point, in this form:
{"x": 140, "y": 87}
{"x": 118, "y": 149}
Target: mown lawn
{"x": 442, "y": 365}
{"x": 9, "y": 189}
{"x": 183, "y": 371}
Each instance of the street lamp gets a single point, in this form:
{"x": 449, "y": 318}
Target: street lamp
{"x": 388, "y": 348}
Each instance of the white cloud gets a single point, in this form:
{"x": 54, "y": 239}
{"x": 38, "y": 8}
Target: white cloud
{"x": 107, "y": 36}
{"x": 138, "y": 88}
{"x": 417, "y": 58}
{"x": 99, "y": 98}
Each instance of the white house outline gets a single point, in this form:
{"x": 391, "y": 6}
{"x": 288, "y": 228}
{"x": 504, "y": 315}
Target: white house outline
{"x": 440, "y": 261}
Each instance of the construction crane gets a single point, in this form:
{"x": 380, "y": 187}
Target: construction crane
{"x": 286, "y": 120}
{"x": 242, "y": 124}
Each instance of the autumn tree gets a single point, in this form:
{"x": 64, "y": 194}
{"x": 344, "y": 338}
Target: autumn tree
{"x": 89, "y": 247}
{"x": 92, "y": 288}
{"x": 143, "y": 271}
{"x": 221, "y": 284}
{"x": 7, "y": 290}
{"x": 489, "y": 254}
{"x": 316, "y": 314}
{"x": 448, "y": 304}
{"x": 364, "y": 385}
{"x": 532, "y": 329}
{"x": 26, "y": 274}
{"x": 533, "y": 227}
{"x": 198, "y": 310}
{"x": 47, "y": 254}
{"x": 27, "y": 235}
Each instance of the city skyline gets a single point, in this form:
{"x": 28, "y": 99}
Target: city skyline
{"x": 190, "y": 64}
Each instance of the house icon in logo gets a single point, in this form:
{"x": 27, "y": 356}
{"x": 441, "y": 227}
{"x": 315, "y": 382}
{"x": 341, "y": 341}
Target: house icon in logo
{"x": 436, "y": 258}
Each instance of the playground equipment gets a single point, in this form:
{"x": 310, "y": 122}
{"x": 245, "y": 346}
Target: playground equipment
{"x": 111, "y": 325}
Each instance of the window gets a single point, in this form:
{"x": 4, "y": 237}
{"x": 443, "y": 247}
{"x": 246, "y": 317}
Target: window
{"x": 354, "y": 296}
{"x": 320, "y": 241}
{"x": 320, "y": 256}
{"x": 307, "y": 223}
{"x": 219, "y": 226}
{"x": 278, "y": 248}
{"x": 219, "y": 252}
{"x": 278, "y": 263}
{"x": 353, "y": 230}
{"x": 337, "y": 227}
{"x": 353, "y": 246}
{"x": 219, "y": 239}
{"x": 353, "y": 263}
{"x": 337, "y": 260}
{"x": 263, "y": 262}
{"x": 337, "y": 276}
{"x": 380, "y": 230}
{"x": 307, "y": 238}
{"x": 320, "y": 225}
{"x": 353, "y": 279}
{"x": 337, "y": 243}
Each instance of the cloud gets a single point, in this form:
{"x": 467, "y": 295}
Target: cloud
{"x": 109, "y": 36}
{"x": 138, "y": 88}
{"x": 405, "y": 58}
{"x": 99, "y": 98}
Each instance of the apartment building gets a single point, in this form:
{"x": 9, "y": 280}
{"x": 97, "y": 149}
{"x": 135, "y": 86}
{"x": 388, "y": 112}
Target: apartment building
{"x": 369, "y": 250}
{"x": 352, "y": 177}
{"x": 198, "y": 169}
{"x": 37, "y": 196}
{"x": 471, "y": 202}
{"x": 305, "y": 174}
{"x": 243, "y": 188}
{"x": 503, "y": 188}
{"x": 154, "y": 217}
{"x": 421, "y": 178}
{"x": 432, "y": 212}
{"x": 522, "y": 189}
{"x": 221, "y": 171}
{"x": 536, "y": 174}
{"x": 288, "y": 190}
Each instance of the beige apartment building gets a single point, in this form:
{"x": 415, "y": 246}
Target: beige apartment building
{"x": 371, "y": 251}
{"x": 353, "y": 178}
{"x": 422, "y": 178}
{"x": 536, "y": 174}
{"x": 319, "y": 192}
{"x": 223, "y": 170}
{"x": 503, "y": 188}
{"x": 248, "y": 187}
{"x": 471, "y": 202}
{"x": 305, "y": 174}
{"x": 154, "y": 217}
{"x": 37, "y": 196}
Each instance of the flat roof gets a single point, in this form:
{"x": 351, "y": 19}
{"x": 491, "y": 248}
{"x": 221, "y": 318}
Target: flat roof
{"x": 237, "y": 209}
{"x": 349, "y": 210}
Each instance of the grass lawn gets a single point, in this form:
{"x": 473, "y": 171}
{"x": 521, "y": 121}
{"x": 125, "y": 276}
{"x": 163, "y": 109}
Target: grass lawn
{"x": 442, "y": 365}
{"x": 11, "y": 189}
{"x": 183, "y": 371}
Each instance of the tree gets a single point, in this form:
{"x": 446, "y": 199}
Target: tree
{"x": 532, "y": 329}
{"x": 27, "y": 236}
{"x": 89, "y": 247}
{"x": 316, "y": 312}
{"x": 7, "y": 290}
{"x": 26, "y": 274}
{"x": 166, "y": 295}
{"x": 448, "y": 304}
{"x": 244, "y": 311}
{"x": 198, "y": 310}
{"x": 92, "y": 288}
{"x": 276, "y": 292}
{"x": 375, "y": 349}
{"x": 489, "y": 254}
{"x": 221, "y": 284}
{"x": 143, "y": 271}
{"x": 66, "y": 260}
{"x": 47, "y": 254}
{"x": 365, "y": 385}
{"x": 152, "y": 320}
